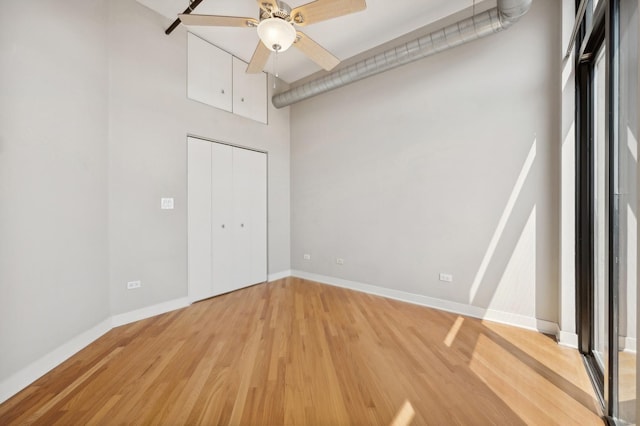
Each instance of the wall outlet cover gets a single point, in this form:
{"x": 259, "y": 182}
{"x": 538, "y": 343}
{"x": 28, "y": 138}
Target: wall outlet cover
{"x": 134, "y": 284}
{"x": 446, "y": 277}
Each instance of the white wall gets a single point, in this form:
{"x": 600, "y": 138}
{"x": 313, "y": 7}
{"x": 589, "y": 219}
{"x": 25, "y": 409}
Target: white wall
{"x": 450, "y": 164}
{"x": 150, "y": 118}
{"x": 628, "y": 188}
{"x": 567, "y": 300}
{"x": 637, "y": 209}
{"x": 53, "y": 176}
{"x": 93, "y": 132}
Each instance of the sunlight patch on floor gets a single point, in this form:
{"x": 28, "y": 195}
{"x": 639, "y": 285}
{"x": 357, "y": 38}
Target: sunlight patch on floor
{"x": 405, "y": 415}
{"x": 525, "y": 380}
{"x": 453, "y": 332}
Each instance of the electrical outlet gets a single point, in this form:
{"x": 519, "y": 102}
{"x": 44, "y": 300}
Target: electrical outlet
{"x": 339, "y": 261}
{"x": 134, "y": 284}
{"x": 446, "y": 277}
{"x": 307, "y": 257}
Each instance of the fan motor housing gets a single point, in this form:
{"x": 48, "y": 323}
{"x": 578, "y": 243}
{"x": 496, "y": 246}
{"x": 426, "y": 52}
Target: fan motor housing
{"x": 283, "y": 12}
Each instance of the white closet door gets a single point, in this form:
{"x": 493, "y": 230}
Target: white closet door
{"x": 250, "y": 217}
{"x": 249, "y": 92}
{"x": 209, "y": 74}
{"x": 199, "y": 218}
{"x": 222, "y": 232}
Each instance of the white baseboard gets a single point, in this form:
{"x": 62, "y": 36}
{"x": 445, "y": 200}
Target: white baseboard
{"x": 31, "y": 373}
{"x": 279, "y": 275}
{"x": 23, "y": 378}
{"x": 39, "y": 368}
{"x": 568, "y": 339}
{"x": 627, "y": 344}
{"x": 149, "y": 311}
{"x": 432, "y": 302}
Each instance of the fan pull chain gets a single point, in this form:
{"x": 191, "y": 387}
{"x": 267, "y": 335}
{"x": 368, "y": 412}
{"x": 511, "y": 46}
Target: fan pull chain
{"x": 275, "y": 68}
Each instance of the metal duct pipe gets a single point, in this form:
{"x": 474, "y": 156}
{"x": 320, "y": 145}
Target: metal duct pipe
{"x": 480, "y": 25}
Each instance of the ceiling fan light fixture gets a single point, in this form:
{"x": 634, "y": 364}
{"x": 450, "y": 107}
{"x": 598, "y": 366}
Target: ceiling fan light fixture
{"x": 277, "y": 34}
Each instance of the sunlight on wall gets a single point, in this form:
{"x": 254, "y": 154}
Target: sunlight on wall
{"x": 516, "y": 291}
{"x": 632, "y": 280}
{"x": 502, "y": 223}
{"x": 632, "y": 144}
{"x": 567, "y": 71}
{"x": 567, "y": 239}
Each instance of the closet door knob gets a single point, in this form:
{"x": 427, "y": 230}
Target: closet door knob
{"x": 223, "y": 226}
{"x": 242, "y": 225}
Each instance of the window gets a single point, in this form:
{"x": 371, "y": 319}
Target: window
{"x": 607, "y": 200}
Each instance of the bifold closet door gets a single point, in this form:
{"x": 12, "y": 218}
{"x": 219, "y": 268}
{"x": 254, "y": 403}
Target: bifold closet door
{"x": 250, "y": 217}
{"x": 222, "y": 232}
{"x": 227, "y": 218}
{"x": 199, "y": 218}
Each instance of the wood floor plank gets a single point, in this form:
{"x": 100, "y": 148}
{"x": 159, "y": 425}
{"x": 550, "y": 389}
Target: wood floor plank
{"x": 296, "y": 352}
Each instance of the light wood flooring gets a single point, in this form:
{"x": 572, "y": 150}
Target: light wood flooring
{"x": 299, "y": 353}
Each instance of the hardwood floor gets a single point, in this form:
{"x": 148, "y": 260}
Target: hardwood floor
{"x": 295, "y": 352}
{"x": 627, "y": 386}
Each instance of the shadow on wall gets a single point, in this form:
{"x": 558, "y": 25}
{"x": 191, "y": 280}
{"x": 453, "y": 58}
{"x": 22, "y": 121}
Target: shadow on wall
{"x": 518, "y": 268}
{"x": 454, "y": 169}
{"x": 518, "y": 281}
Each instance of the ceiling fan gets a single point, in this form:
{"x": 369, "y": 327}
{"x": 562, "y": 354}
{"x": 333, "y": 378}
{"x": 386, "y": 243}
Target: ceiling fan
{"x": 276, "y": 28}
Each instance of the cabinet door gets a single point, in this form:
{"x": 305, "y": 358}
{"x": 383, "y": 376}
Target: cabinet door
{"x": 199, "y": 218}
{"x": 209, "y": 74}
{"x": 221, "y": 217}
{"x": 250, "y": 217}
{"x": 249, "y": 92}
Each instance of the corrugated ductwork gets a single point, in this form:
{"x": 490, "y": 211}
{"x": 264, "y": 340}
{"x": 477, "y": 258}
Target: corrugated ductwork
{"x": 480, "y": 25}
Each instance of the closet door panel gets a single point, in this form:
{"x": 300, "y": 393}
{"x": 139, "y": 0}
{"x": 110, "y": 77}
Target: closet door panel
{"x": 249, "y": 92}
{"x": 221, "y": 217}
{"x": 250, "y": 216}
{"x": 259, "y": 219}
{"x": 198, "y": 218}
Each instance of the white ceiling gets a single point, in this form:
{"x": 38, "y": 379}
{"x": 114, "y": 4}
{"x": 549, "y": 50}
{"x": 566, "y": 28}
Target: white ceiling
{"x": 346, "y": 36}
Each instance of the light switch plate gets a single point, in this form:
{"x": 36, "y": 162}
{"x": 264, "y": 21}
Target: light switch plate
{"x": 166, "y": 203}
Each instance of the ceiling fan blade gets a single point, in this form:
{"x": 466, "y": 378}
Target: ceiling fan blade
{"x": 268, "y": 5}
{"x": 321, "y": 10}
{"x": 259, "y": 59}
{"x": 315, "y": 52}
{"x": 217, "y": 21}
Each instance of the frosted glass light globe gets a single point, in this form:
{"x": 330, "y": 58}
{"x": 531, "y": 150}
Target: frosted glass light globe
{"x": 277, "y": 34}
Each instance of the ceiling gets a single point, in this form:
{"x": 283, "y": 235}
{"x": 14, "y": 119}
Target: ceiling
{"x": 345, "y": 36}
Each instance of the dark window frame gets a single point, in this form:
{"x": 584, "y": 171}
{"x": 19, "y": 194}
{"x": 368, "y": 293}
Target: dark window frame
{"x": 598, "y": 30}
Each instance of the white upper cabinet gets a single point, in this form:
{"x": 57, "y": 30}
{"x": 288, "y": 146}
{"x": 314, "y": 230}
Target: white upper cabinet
{"x": 209, "y": 74}
{"x": 249, "y": 92}
{"x": 216, "y": 78}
